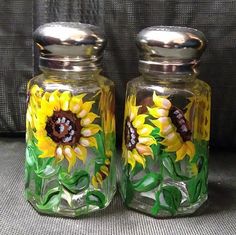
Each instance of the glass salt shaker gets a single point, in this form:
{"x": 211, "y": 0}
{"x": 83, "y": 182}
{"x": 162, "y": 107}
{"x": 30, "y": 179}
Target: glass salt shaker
{"x": 166, "y": 125}
{"x": 70, "y": 137}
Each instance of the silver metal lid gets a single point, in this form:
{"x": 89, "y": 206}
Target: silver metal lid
{"x": 69, "y": 46}
{"x": 169, "y": 49}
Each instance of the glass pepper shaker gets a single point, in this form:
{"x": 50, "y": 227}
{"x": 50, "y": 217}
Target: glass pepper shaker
{"x": 70, "y": 137}
{"x": 166, "y": 125}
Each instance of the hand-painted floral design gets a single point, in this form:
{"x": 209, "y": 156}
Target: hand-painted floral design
{"x": 177, "y": 134}
{"x": 33, "y": 100}
{"x": 202, "y": 123}
{"x": 71, "y": 144}
{"x": 107, "y": 106}
{"x": 102, "y": 174}
{"x": 107, "y": 110}
{"x": 137, "y": 135}
{"x": 63, "y": 124}
{"x": 174, "y": 128}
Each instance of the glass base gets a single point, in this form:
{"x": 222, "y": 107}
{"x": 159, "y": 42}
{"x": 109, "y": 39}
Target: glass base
{"x": 62, "y": 210}
{"x": 140, "y": 204}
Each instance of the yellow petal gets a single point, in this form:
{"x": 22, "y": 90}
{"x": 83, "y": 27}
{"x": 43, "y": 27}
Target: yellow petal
{"x": 99, "y": 178}
{"x": 171, "y": 139}
{"x": 193, "y": 169}
{"x": 34, "y": 102}
{"x": 109, "y": 154}
{"x": 41, "y": 135}
{"x": 162, "y": 122}
{"x": 39, "y": 125}
{"x": 36, "y": 90}
{"x": 40, "y": 120}
{"x": 167, "y": 130}
{"x": 175, "y": 147}
{"x": 165, "y": 125}
{"x": 88, "y": 142}
{"x": 41, "y": 115}
{"x": 45, "y": 144}
{"x": 138, "y": 158}
{"x": 47, "y": 150}
{"x": 85, "y": 109}
{"x": 46, "y": 107}
{"x": 131, "y": 160}
{"x": 146, "y": 140}
{"x": 180, "y": 154}
{"x": 65, "y": 100}
{"x": 54, "y": 100}
{"x": 45, "y": 155}
{"x": 29, "y": 117}
{"x": 59, "y": 154}
{"x": 161, "y": 102}
{"x": 139, "y": 120}
{"x": 94, "y": 182}
{"x": 145, "y": 130}
{"x": 158, "y": 112}
{"x": 91, "y": 129}
{"x": 133, "y": 111}
{"x": 76, "y": 103}
{"x": 88, "y": 119}
{"x": 107, "y": 162}
{"x": 190, "y": 149}
{"x": 70, "y": 156}
{"x": 81, "y": 152}
{"x": 104, "y": 170}
{"x": 144, "y": 150}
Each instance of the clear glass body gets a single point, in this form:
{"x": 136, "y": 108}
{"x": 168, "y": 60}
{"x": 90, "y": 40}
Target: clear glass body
{"x": 165, "y": 144}
{"x": 70, "y": 143}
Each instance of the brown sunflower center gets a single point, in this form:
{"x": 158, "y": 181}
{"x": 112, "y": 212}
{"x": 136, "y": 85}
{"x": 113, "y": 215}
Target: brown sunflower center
{"x": 131, "y": 135}
{"x": 180, "y": 122}
{"x": 63, "y": 127}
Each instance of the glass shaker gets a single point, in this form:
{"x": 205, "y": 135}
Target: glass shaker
{"x": 166, "y": 125}
{"x": 70, "y": 137}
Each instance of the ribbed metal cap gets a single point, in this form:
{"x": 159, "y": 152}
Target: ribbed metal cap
{"x": 69, "y": 45}
{"x": 170, "y": 48}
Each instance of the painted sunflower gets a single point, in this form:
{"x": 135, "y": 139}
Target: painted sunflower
{"x": 33, "y": 101}
{"x": 107, "y": 110}
{"x": 63, "y": 125}
{"x": 202, "y": 122}
{"x": 174, "y": 128}
{"x": 103, "y": 173}
{"x": 137, "y": 138}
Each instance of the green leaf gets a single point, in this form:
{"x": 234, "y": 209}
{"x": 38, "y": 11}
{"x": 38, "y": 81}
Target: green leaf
{"x": 96, "y": 198}
{"x": 50, "y": 193}
{"x": 156, "y": 149}
{"x": 194, "y": 187}
{"x": 99, "y": 152}
{"x": 138, "y": 168}
{"x": 100, "y": 143}
{"x": 75, "y": 183}
{"x": 51, "y": 204}
{"x": 197, "y": 185}
{"x": 32, "y": 153}
{"x": 148, "y": 182}
{"x": 156, "y": 207}
{"x": 204, "y": 184}
{"x": 155, "y": 133}
{"x": 128, "y": 189}
{"x": 201, "y": 150}
{"x": 172, "y": 170}
{"x": 172, "y": 196}
{"x": 47, "y": 171}
{"x": 30, "y": 159}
